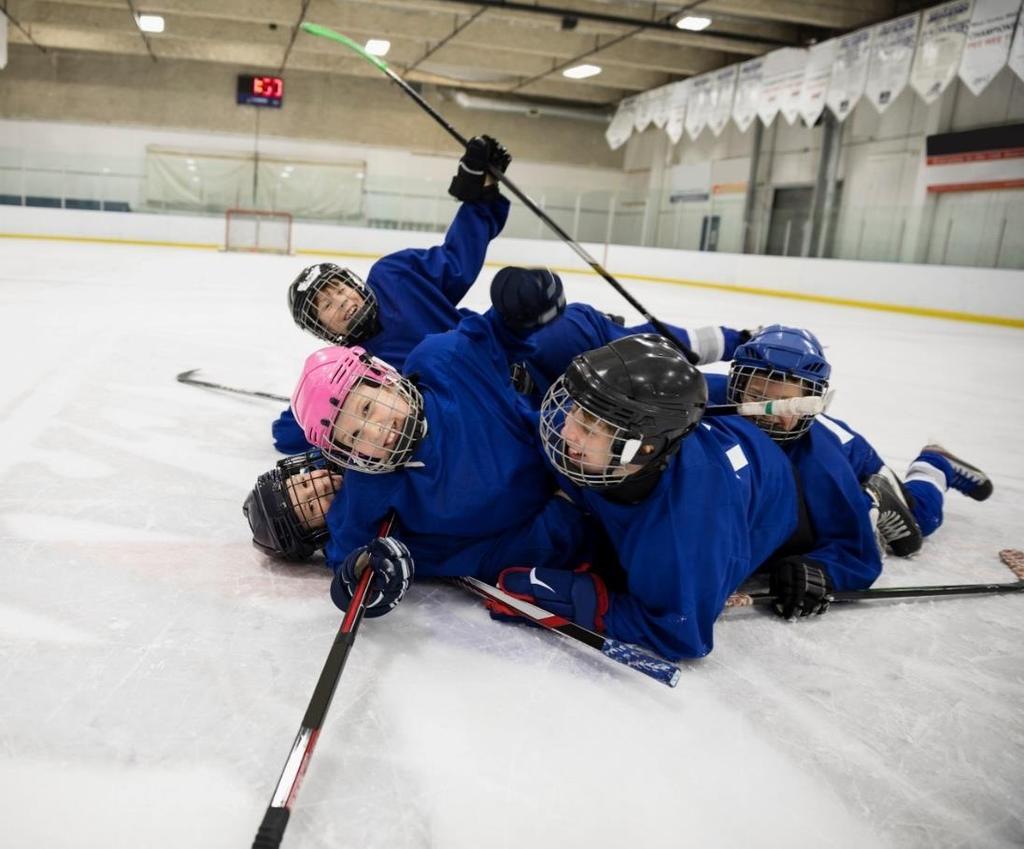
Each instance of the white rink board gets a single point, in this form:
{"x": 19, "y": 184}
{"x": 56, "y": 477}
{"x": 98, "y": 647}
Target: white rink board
{"x": 156, "y": 667}
{"x": 980, "y": 291}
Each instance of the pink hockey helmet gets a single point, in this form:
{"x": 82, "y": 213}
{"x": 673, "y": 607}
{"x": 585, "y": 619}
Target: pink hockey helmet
{"x": 329, "y": 375}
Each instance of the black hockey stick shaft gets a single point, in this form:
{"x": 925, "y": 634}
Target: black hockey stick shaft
{"x": 186, "y": 377}
{"x": 879, "y": 593}
{"x": 628, "y": 655}
{"x": 275, "y": 820}
{"x": 578, "y": 249}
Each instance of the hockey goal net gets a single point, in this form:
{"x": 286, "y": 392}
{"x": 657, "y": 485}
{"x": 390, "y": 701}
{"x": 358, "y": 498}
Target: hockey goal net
{"x": 257, "y": 230}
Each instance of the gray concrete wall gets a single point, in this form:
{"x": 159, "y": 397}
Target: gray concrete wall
{"x": 134, "y": 90}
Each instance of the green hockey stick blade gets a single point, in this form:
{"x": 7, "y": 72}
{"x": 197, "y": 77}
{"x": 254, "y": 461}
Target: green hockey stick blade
{"x": 327, "y": 32}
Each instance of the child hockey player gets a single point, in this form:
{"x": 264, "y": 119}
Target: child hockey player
{"x": 449, "y": 449}
{"x": 786, "y": 362}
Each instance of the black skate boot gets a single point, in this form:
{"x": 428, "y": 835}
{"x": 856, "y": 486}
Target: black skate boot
{"x": 895, "y": 525}
{"x": 968, "y": 479}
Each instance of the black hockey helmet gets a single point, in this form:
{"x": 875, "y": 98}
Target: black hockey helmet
{"x": 613, "y": 402}
{"x": 287, "y": 506}
{"x": 334, "y": 304}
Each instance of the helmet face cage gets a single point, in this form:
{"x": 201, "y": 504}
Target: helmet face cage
{"x": 334, "y": 304}
{"x": 750, "y": 383}
{"x": 376, "y": 429}
{"x": 309, "y": 484}
{"x": 605, "y": 447}
{"x": 291, "y": 503}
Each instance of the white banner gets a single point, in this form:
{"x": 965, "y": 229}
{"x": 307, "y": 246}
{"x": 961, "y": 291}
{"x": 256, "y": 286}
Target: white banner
{"x": 782, "y": 79}
{"x": 817, "y": 75}
{"x": 679, "y": 95}
{"x": 943, "y": 33}
{"x": 621, "y": 127}
{"x": 891, "y": 58}
{"x": 698, "y": 106}
{"x": 659, "y": 106}
{"x": 1016, "y": 60}
{"x": 988, "y": 42}
{"x": 721, "y": 98}
{"x": 643, "y": 113}
{"x": 850, "y": 72}
{"x": 748, "y": 92}
{"x": 3, "y": 41}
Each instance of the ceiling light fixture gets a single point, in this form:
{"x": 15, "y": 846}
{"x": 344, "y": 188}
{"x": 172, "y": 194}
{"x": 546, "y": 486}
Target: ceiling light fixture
{"x": 581, "y": 72}
{"x": 378, "y": 46}
{"x": 150, "y": 23}
{"x": 693, "y": 23}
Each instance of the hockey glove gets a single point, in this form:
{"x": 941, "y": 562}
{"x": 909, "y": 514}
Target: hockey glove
{"x": 527, "y": 298}
{"x": 392, "y": 573}
{"x": 799, "y": 587}
{"x": 468, "y": 182}
{"x": 578, "y": 596}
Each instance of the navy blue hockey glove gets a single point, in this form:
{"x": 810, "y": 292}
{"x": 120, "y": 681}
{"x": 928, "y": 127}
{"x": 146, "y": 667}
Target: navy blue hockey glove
{"x": 527, "y": 298}
{"x": 799, "y": 587}
{"x": 579, "y": 596}
{"x": 393, "y": 570}
{"x": 468, "y": 182}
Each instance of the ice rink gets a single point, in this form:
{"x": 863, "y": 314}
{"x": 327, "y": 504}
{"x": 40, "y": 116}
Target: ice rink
{"x": 154, "y": 667}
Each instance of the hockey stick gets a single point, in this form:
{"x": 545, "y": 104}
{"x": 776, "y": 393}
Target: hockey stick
{"x": 807, "y": 406}
{"x": 656, "y": 668}
{"x": 880, "y": 593}
{"x": 186, "y": 377}
{"x": 381, "y": 65}
{"x": 275, "y": 820}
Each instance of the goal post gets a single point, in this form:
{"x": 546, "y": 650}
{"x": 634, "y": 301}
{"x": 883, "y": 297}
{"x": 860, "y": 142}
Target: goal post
{"x": 258, "y": 231}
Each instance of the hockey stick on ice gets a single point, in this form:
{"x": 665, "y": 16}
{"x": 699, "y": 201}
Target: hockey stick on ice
{"x": 275, "y": 820}
{"x": 808, "y": 406}
{"x": 656, "y": 668}
{"x": 186, "y": 377}
{"x": 1011, "y": 557}
{"x": 325, "y": 32}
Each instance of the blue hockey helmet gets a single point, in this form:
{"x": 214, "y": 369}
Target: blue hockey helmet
{"x": 779, "y": 356}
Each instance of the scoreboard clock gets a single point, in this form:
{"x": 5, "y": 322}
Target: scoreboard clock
{"x": 260, "y": 90}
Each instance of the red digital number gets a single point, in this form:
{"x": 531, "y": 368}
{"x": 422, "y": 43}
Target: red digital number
{"x": 268, "y": 86}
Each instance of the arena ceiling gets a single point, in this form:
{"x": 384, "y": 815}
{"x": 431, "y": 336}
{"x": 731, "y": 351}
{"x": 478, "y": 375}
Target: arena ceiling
{"x": 515, "y": 49}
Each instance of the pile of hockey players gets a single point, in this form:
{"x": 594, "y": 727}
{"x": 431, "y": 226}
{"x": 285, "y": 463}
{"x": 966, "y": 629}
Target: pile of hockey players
{"x": 546, "y": 448}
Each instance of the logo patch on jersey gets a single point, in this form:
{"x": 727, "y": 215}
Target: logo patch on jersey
{"x": 737, "y": 458}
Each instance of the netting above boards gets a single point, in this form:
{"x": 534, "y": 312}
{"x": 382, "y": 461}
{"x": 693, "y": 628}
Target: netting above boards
{"x": 206, "y": 181}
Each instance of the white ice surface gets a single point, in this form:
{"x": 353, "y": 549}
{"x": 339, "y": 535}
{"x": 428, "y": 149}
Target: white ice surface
{"x": 154, "y": 668}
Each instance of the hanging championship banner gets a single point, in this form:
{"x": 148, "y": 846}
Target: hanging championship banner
{"x": 943, "y": 33}
{"x": 891, "y": 57}
{"x": 817, "y": 75}
{"x": 850, "y": 72}
{"x": 677, "y": 102}
{"x": 698, "y": 105}
{"x": 659, "y": 106}
{"x": 989, "y": 36}
{"x": 792, "y": 85}
{"x": 748, "y": 92}
{"x": 3, "y": 41}
{"x": 621, "y": 127}
{"x": 721, "y": 98}
{"x": 782, "y": 79}
{"x": 1016, "y": 59}
{"x": 643, "y": 113}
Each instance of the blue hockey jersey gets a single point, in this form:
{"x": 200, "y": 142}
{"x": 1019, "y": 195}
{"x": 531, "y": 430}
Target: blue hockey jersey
{"x": 831, "y": 461}
{"x": 725, "y": 502}
{"x": 582, "y": 328}
{"x": 418, "y": 291}
{"x": 483, "y": 498}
